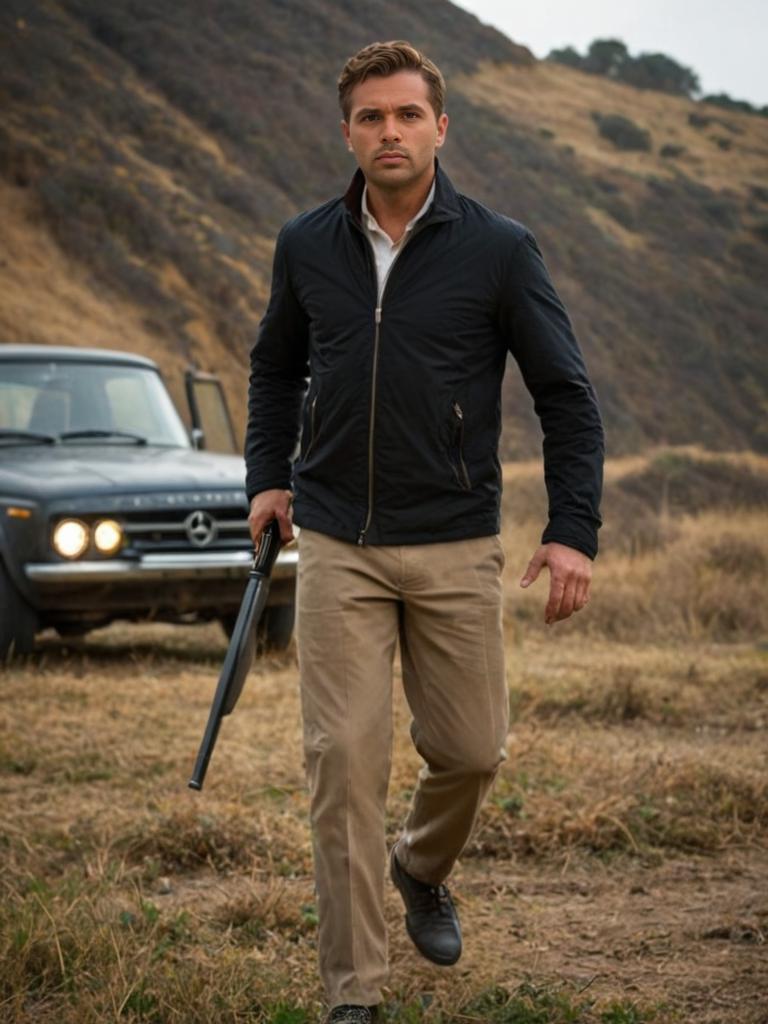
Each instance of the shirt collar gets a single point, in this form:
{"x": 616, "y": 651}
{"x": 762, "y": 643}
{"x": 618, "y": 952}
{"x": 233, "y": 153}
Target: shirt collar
{"x": 372, "y": 224}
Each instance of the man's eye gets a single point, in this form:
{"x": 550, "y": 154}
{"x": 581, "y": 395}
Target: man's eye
{"x": 369, "y": 117}
{"x": 410, "y": 115}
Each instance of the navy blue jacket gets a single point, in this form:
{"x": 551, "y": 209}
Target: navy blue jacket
{"x": 400, "y": 424}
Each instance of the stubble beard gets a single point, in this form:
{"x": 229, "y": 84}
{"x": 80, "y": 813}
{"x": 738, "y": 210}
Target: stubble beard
{"x": 393, "y": 179}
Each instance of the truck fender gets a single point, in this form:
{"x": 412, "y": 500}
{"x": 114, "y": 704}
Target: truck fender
{"x": 12, "y": 567}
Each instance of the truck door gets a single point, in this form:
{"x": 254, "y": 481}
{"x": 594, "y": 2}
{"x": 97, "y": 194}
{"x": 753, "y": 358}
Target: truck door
{"x": 211, "y": 423}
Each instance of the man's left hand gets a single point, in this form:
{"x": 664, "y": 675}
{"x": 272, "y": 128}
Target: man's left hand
{"x": 570, "y": 573}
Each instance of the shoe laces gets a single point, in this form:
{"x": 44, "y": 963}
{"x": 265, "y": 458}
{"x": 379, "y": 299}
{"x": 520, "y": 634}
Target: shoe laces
{"x": 350, "y": 1015}
{"x": 435, "y": 897}
{"x": 442, "y": 898}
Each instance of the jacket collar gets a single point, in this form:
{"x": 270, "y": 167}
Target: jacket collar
{"x": 445, "y": 205}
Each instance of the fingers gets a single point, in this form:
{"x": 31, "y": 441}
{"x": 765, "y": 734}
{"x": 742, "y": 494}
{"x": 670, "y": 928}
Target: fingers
{"x": 562, "y": 602}
{"x": 570, "y": 577}
{"x": 575, "y": 597}
{"x": 534, "y": 567}
{"x": 556, "y": 593}
{"x": 285, "y": 522}
{"x": 256, "y": 525}
{"x": 582, "y": 595}
{"x": 257, "y": 520}
{"x": 269, "y": 505}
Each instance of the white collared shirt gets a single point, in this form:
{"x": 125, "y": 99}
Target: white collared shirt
{"x": 385, "y": 250}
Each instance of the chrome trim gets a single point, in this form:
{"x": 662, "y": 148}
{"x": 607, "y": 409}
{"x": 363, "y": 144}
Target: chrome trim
{"x": 134, "y": 526}
{"x": 154, "y": 567}
{"x": 11, "y": 499}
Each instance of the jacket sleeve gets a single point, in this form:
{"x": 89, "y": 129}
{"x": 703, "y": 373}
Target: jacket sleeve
{"x": 278, "y": 380}
{"x": 540, "y": 337}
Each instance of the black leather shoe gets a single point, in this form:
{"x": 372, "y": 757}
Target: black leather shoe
{"x": 352, "y": 1015}
{"x": 430, "y": 916}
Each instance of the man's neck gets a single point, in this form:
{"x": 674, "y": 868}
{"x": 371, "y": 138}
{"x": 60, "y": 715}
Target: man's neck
{"x": 394, "y": 208}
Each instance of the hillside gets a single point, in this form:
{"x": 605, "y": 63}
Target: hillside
{"x": 149, "y": 152}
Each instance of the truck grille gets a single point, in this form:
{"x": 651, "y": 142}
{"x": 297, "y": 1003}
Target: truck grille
{"x": 220, "y": 529}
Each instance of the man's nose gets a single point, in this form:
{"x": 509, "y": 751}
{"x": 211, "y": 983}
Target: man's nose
{"x": 390, "y": 130}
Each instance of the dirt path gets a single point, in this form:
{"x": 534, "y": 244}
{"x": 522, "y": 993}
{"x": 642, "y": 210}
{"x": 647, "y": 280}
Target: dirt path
{"x": 689, "y": 933}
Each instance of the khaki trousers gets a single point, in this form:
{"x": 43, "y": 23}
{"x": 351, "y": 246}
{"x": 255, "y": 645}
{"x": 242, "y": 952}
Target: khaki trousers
{"x": 443, "y": 602}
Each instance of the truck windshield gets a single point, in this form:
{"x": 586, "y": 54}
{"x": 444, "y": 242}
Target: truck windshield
{"x": 101, "y": 400}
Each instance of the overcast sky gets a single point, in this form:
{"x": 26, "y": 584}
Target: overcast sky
{"x": 724, "y": 41}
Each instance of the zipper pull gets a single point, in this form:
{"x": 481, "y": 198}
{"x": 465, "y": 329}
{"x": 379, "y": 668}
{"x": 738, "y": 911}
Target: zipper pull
{"x": 377, "y": 315}
{"x": 361, "y": 538}
{"x": 457, "y": 411}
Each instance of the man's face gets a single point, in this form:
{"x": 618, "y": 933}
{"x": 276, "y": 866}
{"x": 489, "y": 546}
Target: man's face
{"x": 393, "y": 130}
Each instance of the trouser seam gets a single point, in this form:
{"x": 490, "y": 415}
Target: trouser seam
{"x": 487, "y": 677}
{"x": 348, "y": 810}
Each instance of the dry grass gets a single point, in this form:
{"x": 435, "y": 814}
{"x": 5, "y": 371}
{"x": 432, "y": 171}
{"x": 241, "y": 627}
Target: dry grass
{"x": 617, "y": 875}
{"x": 558, "y": 99}
{"x": 683, "y": 555}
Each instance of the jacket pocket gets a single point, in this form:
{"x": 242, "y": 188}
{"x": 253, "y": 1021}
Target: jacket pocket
{"x": 458, "y": 464}
{"x": 312, "y": 426}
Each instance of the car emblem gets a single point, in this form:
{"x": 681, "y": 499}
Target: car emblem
{"x": 201, "y": 529}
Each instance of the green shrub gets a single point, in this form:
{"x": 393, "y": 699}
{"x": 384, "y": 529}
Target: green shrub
{"x": 622, "y": 132}
{"x": 696, "y": 120}
{"x": 671, "y": 151}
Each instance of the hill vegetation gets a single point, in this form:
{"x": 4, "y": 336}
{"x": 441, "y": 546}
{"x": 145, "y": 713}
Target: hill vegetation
{"x": 149, "y": 152}
{"x": 612, "y": 59}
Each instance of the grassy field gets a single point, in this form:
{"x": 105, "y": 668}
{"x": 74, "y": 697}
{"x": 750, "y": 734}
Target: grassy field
{"x": 618, "y": 873}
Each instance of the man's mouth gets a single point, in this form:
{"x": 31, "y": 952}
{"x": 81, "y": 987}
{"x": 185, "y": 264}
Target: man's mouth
{"x": 391, "y": 154}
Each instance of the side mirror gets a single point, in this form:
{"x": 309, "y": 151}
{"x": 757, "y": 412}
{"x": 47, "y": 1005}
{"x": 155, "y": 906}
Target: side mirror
{"x": 211, "y": 423}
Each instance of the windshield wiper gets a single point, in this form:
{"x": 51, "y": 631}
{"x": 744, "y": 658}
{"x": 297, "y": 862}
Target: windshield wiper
{"x": 26, "y": 435}
{"x": 71, "y": 435}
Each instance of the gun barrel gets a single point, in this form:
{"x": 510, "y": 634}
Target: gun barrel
{"x": 241, "y": 649}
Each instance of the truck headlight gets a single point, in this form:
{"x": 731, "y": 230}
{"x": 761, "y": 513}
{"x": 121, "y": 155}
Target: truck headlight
{"x": 70, "y": 538}
{"x": 108, "y": 536}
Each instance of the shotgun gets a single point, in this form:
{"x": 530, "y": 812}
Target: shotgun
{"x": 242, "y": 646}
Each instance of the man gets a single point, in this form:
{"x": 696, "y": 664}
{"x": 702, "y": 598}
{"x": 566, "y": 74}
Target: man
{"x": 399, "y": 303}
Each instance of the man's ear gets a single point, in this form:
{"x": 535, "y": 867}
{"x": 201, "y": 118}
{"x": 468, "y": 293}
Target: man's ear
{"x": 442, "y": 128}
{"x": 345, "y": 133}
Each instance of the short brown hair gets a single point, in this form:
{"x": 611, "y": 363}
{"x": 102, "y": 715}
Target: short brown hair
{"x": 386, "y": 59}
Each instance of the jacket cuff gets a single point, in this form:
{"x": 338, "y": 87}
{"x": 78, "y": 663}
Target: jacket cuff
{"x": 575, "y": 533}
{"x": 254, "y": 487}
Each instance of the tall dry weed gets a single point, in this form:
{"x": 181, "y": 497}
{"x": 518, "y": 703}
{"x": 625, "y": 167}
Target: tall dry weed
{"x": 683, "y": 550}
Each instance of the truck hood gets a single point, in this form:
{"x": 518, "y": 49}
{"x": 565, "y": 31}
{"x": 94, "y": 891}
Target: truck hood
{"x": 47, "y": 473}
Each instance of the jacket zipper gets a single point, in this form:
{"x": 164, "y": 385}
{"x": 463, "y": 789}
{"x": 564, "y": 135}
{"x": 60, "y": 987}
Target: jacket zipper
{"x": 463, "y": 474}
{"x": 371, "y": 418}
{"x": 374, "y": 376}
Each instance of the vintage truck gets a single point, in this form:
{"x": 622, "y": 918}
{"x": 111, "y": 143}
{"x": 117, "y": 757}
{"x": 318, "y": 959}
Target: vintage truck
{"x": 110, "y": 509}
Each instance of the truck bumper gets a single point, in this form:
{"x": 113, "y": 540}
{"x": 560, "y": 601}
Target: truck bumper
{"x": 153, "y": 587}
{"x": 222, "y": 565}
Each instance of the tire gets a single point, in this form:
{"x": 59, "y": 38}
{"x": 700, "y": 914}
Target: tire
{"x": 71, "y": 630}
{"x": 274, "y": 630}
{"x": 18, "y": 620}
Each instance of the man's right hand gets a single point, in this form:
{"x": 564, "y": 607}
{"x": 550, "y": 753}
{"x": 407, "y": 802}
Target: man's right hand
{"x": 265, "y": 507}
